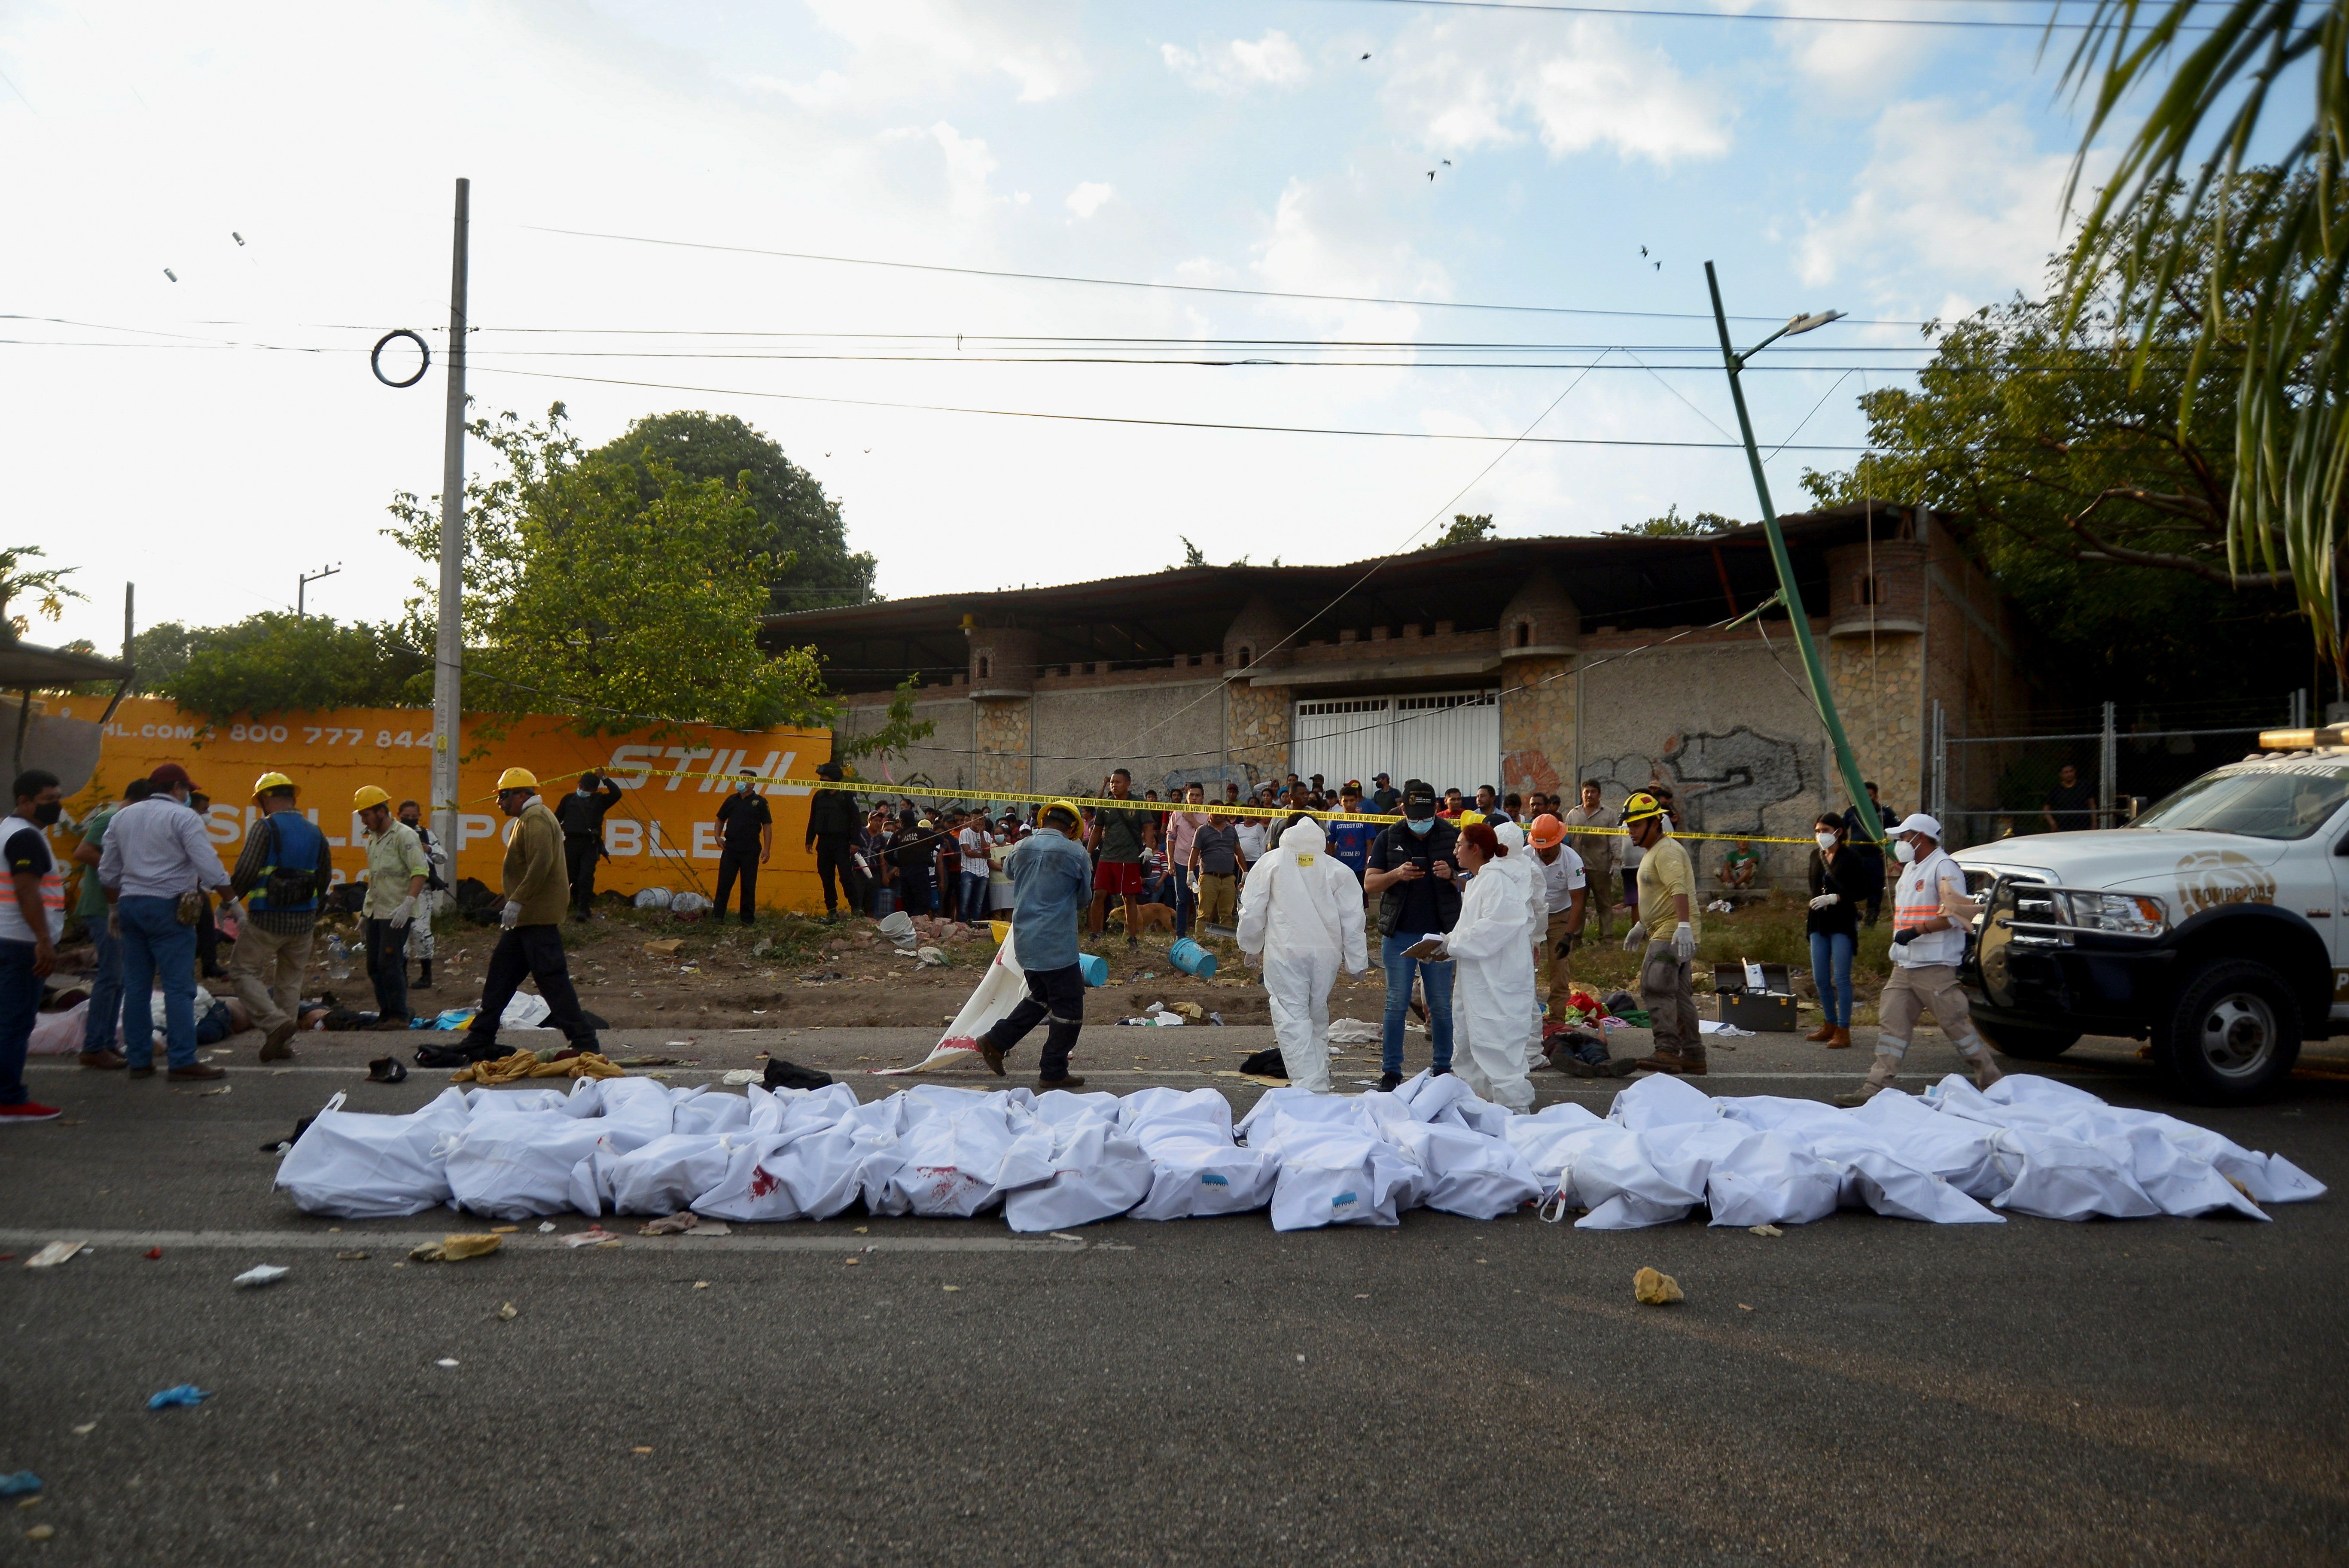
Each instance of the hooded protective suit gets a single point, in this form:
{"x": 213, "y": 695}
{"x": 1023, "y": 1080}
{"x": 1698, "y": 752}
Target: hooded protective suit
{"x": 1493, "y": 987}
{"x": 1301, "y": 908}
{"x": 1511, "y": 837}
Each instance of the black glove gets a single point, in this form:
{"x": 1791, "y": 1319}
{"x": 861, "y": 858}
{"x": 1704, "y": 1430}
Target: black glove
{"x": 1903, "y": 938}
{"x": 1569, "y": 942}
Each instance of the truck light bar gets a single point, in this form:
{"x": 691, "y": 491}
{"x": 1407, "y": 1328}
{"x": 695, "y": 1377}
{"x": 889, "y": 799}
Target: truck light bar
{"x": 2304, "y": 739}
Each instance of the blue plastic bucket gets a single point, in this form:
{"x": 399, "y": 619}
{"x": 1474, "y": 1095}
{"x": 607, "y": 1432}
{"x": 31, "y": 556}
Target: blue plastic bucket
{"x": 1192, "y": 959}
{"x": 1093, "y": 967}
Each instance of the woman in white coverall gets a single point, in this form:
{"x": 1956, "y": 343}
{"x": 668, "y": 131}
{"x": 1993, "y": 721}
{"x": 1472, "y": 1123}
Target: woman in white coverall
{"x": 1493, "y": 987}
{"x": 1301, "y": 908}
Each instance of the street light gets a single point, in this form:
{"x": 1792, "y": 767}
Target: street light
{"x": 1788, "y": 595}
{"x": 302, "y": 585}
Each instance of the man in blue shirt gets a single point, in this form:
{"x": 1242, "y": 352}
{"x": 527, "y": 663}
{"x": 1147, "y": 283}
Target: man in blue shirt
{"x": 1350, "y": 842}
{"x": 1052, "y": 887}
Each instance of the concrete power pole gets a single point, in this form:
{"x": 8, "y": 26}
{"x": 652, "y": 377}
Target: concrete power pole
{"x": 449, "y": 643}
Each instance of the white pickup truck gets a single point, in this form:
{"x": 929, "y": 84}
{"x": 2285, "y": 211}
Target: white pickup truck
{"x": 2215, "y": 925}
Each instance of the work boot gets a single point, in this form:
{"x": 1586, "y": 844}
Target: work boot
{"x": 424, "y": 974}
{"x": 1985, "y": 1070}
{"x": 1825, "y": 1031}
{"x": 197, "y": 1070}
{"x": 1069, "y": 1081}
{"x": 1678, "y": 1063}
{"x": 1880, "y": 1078}
{"x": 988, "y": 1052}
{"x": 108, "y": 1061}
{"x": 1390, "y": 1082}
{"x": 274, "y": 1049}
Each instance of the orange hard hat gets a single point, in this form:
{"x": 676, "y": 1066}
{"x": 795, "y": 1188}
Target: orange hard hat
{"x": 1546, "y": 830}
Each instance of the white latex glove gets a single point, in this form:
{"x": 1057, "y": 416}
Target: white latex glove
{"x": 1636, "y": 937}
{"x": 510, "y": 916}
{"x": 1683, "y": 942}
{"x": 402, "y": 912}
{"x": 1826, "y": 899}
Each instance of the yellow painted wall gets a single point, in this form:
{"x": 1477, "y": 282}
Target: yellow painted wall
{"x": 662, "y": 833}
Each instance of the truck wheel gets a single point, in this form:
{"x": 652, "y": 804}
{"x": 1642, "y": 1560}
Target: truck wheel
{"x": 2232, "y": 1033}
{"x": 2029, "y": 1044}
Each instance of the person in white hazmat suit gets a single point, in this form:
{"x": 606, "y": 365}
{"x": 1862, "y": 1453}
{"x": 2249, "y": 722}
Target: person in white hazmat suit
{"x": 1492, "y": 1001}
{"x": 1301, "y": 909}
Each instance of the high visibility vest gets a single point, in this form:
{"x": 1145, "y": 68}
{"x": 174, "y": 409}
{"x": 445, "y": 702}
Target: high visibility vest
{"x": 1916, "y": 899}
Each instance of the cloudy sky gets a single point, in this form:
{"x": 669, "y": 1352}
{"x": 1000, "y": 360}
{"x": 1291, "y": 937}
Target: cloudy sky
{"x": 211, "y": 430}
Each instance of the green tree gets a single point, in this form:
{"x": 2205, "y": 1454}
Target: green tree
{"x": 2267, "y": 289}
{"x": 2074, "y": 482}
{"x": 275, "y": 662}
{"x": 584, "y": 594}
{"x": 1673, "y": 525}
{"x": 801, "y": 526}
{"x": 44, "y": 587}
{"x": 1465, "y": 530}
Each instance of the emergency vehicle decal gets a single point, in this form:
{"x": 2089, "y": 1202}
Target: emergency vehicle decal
{"x": 2209, "y": 878}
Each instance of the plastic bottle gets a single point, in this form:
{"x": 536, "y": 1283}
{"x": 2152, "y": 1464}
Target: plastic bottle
{"x": 338, "y": 959}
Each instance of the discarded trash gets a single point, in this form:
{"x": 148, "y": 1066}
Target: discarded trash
{"x": 85, "y": 1429}
{"x": 950, "y": 1289}
{"x": 260, "y": 1274}
{"x": 446, "y": 1361}
{"x": 1653, "y": 1289}
{"x": 427, "y": 1254}
{"x": 545, "y": 1227}
{"x": 386, "y": 1070}
{"x": 152, "y": 1254}
{"x": 1353, "y": 1032}
{"x": 689, "y": 904}
{"x": 704, "y": 1285}
{"x": 1063, "y": 1236}
{"x": 653, "y": 898}
{"x": 641, "y": 1450}
{"x": 185, "y": 1394}
{"x": 24, "y": 1483}
{"x": 1766, "y": 1230}
{"x": 593, "y": 1236}
{"x": 507, "y": 1314}
{"x": 53, "y": 1254}
{"x": 350, "y": 1257}
{"x": 666, "y": 948}
{"x": 931, "y": 957}
{"x": 744, "y": 1075}
{"x": 44, "y": 1531}
{"x": 1742, "y": 1307}
{"x": 762, "y": 947}
{"x": 456, "y": 1249}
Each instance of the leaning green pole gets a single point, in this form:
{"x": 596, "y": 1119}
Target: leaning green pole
{"x": 1790, "y": 595}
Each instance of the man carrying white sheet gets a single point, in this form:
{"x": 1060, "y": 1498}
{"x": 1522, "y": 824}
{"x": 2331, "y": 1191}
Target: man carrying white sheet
{"x": 1051, "y": 881}
{"x": 1301, "y": 909}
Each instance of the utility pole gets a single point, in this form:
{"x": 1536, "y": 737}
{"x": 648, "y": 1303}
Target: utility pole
{"x": 449, "y": 643}
{"x": 302, "y": 585}
{"x": 1790, "y": 596}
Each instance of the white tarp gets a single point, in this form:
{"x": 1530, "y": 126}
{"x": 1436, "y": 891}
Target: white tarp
{"x": 1954, "y": 1156}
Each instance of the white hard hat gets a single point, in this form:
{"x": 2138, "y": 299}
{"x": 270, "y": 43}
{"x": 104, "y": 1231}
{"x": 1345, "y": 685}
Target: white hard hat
{"x": 1918, "y": 822}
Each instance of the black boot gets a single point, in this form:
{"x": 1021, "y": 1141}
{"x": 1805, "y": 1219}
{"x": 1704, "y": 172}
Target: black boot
{"x": 424, "y": 974}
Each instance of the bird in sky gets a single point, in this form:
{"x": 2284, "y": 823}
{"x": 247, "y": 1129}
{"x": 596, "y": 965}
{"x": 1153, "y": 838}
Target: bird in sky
{"x": 1660, "y": 266}
{"x": 170, "y": 274}
{"x": 1430, "y": 174}
{"x": 1366, "y": 53}
{"x": 1447, "y": 163}
{"x": 1643, "y": 250}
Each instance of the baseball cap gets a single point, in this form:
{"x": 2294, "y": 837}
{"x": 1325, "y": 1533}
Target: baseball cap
{"x": 1418, "y": 798}
{"x": 1918, "y": 822}
{"x": 171, "y": 776}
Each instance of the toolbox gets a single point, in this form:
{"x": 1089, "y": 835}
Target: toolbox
{"x": 1769, "y": 1008}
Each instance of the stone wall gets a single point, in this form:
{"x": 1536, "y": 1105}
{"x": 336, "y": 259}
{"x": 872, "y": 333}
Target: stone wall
{"x": 1256, "y": 731}
{"x": 1171, "y": 733}
{"x": 1878, "y": 687}
{"x": 1537, "y": 720}
{"x": 1002, "y": 747}
{"x": 941, "y": 761}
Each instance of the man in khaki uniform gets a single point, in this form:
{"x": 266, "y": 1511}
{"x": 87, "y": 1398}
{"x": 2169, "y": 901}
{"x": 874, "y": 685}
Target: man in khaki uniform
{"x": 537, "y": 892}
{"x": 1667, "y": 974}
{"x": 1598, "y": 852}
{"x": 1931, "y": 913}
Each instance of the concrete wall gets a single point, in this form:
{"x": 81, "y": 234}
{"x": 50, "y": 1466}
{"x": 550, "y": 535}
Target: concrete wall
{"x": 943, "y": 762}
{"x": 1166, "y": 732}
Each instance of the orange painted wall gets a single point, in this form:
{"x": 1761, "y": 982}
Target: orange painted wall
{"x": 661, "y": 833}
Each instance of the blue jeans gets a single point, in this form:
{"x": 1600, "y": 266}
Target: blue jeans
{"x": 154, "y": 942}
{"x": 1186, "y": 901}
{"x": 105, "y": 988}
{"x": 20, "y": 1003}
{"x": 973, "y": 907}
{"x": 1438, "y": 981}
{"x": 1831, "y": 972}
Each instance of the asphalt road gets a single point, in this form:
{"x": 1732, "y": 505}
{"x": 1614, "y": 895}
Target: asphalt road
{"x": 1445, "y": 1392}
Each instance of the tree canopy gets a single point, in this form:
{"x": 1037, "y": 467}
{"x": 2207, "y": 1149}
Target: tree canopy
{"x": 44, "y": 586}
{"x": 275, "y": 662}
{"x": 1673, "y": 525}
{"x": 799, "y": 526}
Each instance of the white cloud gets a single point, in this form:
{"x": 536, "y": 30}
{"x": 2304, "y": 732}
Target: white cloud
{"x": 1090, "y": 197}
{"x": 910, "y": 49}
{"x": 1273, "y": 60}
{"x": 1945, "y": 202}
{"x": 1465, "y": 86}
{"x": 968, "y": 164}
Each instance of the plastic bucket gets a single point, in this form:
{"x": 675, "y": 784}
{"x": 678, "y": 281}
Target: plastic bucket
{"x": 1093, "y": 967}
{"x": 1192, "y": 959}
{"x": 1002, "y": 930}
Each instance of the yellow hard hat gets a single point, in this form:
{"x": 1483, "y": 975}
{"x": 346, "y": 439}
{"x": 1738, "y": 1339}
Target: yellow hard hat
{"x": 364, "y": 796}
{"x": 1639, "y": 808}
{"x": 517, "y": 779}
{"x": 1469, "y": 819}
{"x": 268, "y": 781}
{"x": 1076, "y": 815}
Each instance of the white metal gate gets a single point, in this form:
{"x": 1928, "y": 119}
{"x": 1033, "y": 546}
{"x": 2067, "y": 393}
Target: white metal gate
{"x": 1449, "y": 739}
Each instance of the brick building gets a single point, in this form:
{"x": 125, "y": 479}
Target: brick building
{"x": 1521, "y": 663}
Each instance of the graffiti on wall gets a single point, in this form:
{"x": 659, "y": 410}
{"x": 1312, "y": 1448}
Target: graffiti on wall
{"x": 1722, "y": 783}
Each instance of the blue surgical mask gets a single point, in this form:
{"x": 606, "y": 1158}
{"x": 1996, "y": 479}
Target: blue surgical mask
{"x": 1419, "y": 826}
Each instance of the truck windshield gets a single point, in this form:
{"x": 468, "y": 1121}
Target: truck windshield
{"x": 2271, "y": 803}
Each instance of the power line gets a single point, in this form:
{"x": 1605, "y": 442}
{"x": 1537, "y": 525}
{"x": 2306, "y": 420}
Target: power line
{"x": 1992, "y": 24}
{"x": 1132, "y": 283}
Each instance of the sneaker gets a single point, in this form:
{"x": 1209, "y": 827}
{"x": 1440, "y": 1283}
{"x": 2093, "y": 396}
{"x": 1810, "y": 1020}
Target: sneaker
{"x": 104, "y": 1061}
{"x": 31, "y": 1110}
{"x": 197, "y": 1070}
{"x": 1390, "y": 1082}
{"x": 1070, "y": 1081}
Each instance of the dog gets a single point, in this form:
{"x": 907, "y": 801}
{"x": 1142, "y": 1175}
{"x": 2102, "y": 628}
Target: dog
{"x": 1152, "y": 917}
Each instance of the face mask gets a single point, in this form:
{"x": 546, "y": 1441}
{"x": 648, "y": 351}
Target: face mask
{"x": 1419, "y": 826}
{"x": 1827, "y": 842}
{"x": 47, "y": 812}
{"x": 1904, "y": 852}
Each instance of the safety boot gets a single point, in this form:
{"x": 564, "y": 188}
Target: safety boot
{"x": 1880, "y": 1078}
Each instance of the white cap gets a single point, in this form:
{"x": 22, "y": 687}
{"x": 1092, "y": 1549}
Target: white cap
{"x": 1918, "y": 822}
